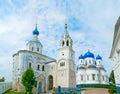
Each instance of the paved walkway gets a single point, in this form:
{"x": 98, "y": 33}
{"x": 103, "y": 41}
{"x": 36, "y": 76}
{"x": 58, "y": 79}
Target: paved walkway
{"x": 95, "y": 91}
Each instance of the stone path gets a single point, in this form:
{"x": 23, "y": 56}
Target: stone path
{"x": 95, "y": 91}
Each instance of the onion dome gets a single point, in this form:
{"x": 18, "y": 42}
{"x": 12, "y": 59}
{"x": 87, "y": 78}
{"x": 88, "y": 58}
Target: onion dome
{"x": 81, "y": 57}
{"x": 98, "y": 57}
{"x": 36, "y": 32}
{"x": 89, "y": 54}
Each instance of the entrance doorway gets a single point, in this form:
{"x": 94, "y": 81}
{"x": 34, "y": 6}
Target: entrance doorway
{"x": 50, "y": 79}
{"x": 40, "y": 88}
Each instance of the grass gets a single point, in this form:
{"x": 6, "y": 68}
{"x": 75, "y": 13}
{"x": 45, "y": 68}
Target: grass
{"x": 13, "y": 92}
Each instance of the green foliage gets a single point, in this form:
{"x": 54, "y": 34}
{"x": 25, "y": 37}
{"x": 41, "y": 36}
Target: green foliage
{"x": 64, "y": 92}
{"x": 111, "y": 78}
{"x": 96, "y": 86}
{"x": 12, "y": 92}
{"x": 75, "y": 92}
{"x": 28, "y": 80}
{"x": 112, "y": 90}
{"x": 2, "y": 79}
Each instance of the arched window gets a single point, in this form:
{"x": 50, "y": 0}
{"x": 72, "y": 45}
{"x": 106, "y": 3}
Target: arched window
{"x": 38, "y": 67}
{"x": 81, "y": 77}
{"x": 87, "y": 77}
{"x": 99, "y": 62}
{"x": 30, "y": 64}
{"x": 63, "y": 43}
{"x": 93, "y": 76}
{"x": 32, "y": 48}
{"x": 43, "y": 68}
{"x": 103, "y": 78}
{"x": 62, "y": 64}
{"x": 81, "y": 61}
{"x": 90, "y": 61}
{"x": 38, "y": 49}
{"x": 67, "y": 43}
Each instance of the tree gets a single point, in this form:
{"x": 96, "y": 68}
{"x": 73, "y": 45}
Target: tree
{"x": 28, "y": 80}
{"x": 111, "y": 78}
{"x": 2, "y": 79}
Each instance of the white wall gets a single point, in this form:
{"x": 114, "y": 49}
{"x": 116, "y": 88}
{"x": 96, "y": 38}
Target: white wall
{"x": 5, "y": 86}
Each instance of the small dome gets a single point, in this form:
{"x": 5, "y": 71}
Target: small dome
{"x": 89, "y": 54}
{"x": 98, "y": 57}
{"x": 81, "y": 57}
{"x": 35, "y": 32}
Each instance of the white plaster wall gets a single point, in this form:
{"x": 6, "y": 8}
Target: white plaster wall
{"x": 78, "y": 76}
{"x": 89, "y": 72}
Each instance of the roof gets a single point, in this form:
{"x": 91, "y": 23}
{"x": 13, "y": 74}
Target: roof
{"x": 89, "y": 54}
{"x": 98, "y": 57}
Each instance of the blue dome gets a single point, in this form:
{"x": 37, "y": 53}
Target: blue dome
{"x": 98, "y": 57}
{"x": 81, "y": 57}
{"x": 89, "y": 54}
{"x": 36, "y": 32}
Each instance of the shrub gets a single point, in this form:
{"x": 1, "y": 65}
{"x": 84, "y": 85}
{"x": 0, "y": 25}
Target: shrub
{"x": 112, "y": 90}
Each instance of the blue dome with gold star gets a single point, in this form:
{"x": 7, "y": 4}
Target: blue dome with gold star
{"x": 36, "y": 32}
{"x": 81, "y": 57}
{"x": 98, "y": 57}
{"x": 89, "y": 54}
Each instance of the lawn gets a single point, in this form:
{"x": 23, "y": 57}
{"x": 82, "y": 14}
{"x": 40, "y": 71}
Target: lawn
{"x": 12, "y": 92}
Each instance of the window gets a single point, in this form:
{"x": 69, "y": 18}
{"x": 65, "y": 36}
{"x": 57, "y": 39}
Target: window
{"x": 99, "y": 62}
{"x": 43, "y": 68}
{"x": 62, "y": 53}
{"x": 32, "y": 48}
{"x": 38, "y": 49}
{"x": 63, "y": 43}
{"x": 38, "y": 67}
{"x": 30, "y": 65}
{"x": 62, "y": 64}
{"x": 103, "y": 78}
{"x": 93, "y": 76}
{"x": 87, "y": 77}
{"x": 86, "y": 62}
{"x": 90, "y": 61}
{"x": 81, "y": 77}
{"x": 67, "y": 43}
{"x": 81, "y": 61}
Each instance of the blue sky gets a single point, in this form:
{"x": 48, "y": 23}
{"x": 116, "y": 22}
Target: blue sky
{"x": 90, "y": 25}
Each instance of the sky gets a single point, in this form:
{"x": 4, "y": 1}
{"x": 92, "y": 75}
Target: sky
{"x": 90, "y": 25}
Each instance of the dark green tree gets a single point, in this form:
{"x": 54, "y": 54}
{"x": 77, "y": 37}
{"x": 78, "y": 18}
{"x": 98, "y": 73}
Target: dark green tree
{"x": 2, "y": 79}
{"x": 111, "y": 78}
{"x": 28, "y": 80}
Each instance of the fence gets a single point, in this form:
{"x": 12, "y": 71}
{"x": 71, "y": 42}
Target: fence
{"x": 62, "y": 90}
{"x": 4, "y": 86}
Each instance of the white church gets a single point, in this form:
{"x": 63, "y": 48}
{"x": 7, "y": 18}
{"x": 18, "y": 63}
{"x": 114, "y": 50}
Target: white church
{"x": 50, "y": 72}
{"x": 90, "y": 70}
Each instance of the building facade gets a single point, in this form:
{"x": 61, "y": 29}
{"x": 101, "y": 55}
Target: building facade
{"x": 115, "y": 54}
{"x": 49, "y": 72}
{"x": 91, "y": 70}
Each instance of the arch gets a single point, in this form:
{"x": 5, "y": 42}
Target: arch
{"x": 43, "y": 68}
{"x": 50, "y": 82}
{"x": 67, "y": 43}
{"x": 63, "y": 43}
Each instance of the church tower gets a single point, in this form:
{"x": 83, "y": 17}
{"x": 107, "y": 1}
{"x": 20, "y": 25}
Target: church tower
{"x": 65, "y": 62}
{"x": 34, "y": 44}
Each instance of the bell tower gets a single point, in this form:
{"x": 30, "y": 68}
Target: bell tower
{"x": 65, "y": 62}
